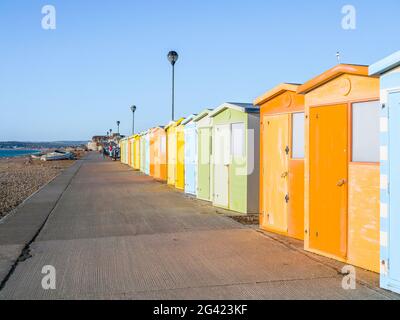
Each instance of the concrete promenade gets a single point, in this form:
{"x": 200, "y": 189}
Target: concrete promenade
{"x": 112, "y": 233}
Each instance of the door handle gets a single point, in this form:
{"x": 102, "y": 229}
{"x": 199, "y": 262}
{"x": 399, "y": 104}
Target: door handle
{"x": 285, "y": 174}
{"x": 341, "y": 183}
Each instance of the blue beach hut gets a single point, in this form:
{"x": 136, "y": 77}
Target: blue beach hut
{"x": 190, "y": 155}
{"x": 388, "y": 70}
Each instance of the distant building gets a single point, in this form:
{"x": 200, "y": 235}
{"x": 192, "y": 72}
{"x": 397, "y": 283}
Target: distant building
{"x": 93, "y": 146}
{"x": 99, "y": 139}
{"x": 116, "y": 137}
{"x": 97, "y": 142}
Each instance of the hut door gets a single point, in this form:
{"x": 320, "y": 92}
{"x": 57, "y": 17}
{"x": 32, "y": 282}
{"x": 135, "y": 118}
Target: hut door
{"x": 394, "y": 234}
{"x": 142, "y": 155}
{"x": 137, "y": 154}
{"x": 221, "y": 165}
{"x": 127, "y": 152}
{"x": 171, "y": 145}
{"x": 156, "y": 155}
{"x": 328, "y": 179}
{"x": 204, "y": 151}
{"x": 147, "y": 169}
{"x": 276, "y": 175}
{"x": 190, "y": 160}
{"x": 180, "y": 159}
{"x": 131, "y": 144}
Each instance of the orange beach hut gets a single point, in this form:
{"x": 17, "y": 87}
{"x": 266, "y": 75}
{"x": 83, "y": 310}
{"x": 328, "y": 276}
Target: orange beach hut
{"x": 282, "y": 161}
{"x": 342, "y": 165}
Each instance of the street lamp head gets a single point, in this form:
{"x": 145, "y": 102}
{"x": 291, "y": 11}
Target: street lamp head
{"x": 133, "y": 108}
{"x": 173, "y": 57}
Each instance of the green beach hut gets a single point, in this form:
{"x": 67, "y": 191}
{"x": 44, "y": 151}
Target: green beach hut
{"x": 235, "y": 157}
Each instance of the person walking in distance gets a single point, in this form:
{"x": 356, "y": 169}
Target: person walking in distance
{"x": 104, "y": 152}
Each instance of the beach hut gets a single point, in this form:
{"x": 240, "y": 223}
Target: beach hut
{"x": 143, "y": 152}
{"x": 282, "y": 161}
{"x": 123, "y": 147}
{"x": 131, "y": 147}
{"x": 136, "y": 162}
{"x": 151, "y": 152}
{"x": 147, "y": 152}
{"x": 126, "y": 151}
{"x": 171, "y": 150}
{"x": 190, "y": 158}
{"x": 204, "y": 168}
{"x": 235, "y": 157}
{"x": 180, "y": 157}
{"x": 160, "y": 153}
{"x": 342, "y": 165}
{"x": 389, "y": 71}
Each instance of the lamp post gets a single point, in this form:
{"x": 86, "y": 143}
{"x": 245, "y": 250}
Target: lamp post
{"x": 133, "y": 108}
{"x": 110, "y": 133}
{"x": 118, "y": 123}
{"x": 173, "y": 58}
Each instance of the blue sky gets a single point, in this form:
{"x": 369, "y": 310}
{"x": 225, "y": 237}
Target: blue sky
{"x": 76, "y": 81}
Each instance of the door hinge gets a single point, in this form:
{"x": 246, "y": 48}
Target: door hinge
{"x": 287, "y": 198}
{"x": 287, "y": 150}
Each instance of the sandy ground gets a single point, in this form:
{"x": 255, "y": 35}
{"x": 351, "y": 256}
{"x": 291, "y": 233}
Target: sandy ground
{"x": 21, "y": 177}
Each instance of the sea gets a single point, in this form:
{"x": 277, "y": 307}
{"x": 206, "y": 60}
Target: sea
{"x": 12, "y": 153}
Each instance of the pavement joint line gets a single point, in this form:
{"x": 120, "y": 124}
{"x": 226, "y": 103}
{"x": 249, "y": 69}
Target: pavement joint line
{"x": 140, "y": 235}
{"x": 25, "y": 253}
{"x": 326, "y": 264}
{"x": 212, "y": 286}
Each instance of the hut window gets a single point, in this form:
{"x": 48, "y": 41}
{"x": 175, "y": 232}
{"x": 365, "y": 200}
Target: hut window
{"x": 298, "y": 120}
{"x": 238, "y": 139}
{"x": 366, "y": 131}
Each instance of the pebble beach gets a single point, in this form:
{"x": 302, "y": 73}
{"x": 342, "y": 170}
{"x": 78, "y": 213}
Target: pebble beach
{"x": 20, "y": 177}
